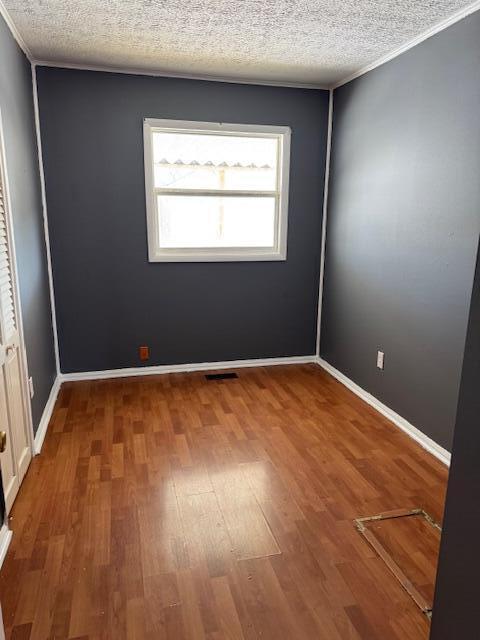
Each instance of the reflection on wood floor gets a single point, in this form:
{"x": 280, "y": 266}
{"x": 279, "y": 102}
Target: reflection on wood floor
{"x": 176, "y": 507}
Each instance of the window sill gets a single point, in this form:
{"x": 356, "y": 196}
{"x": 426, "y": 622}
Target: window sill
{"x": 249, "y": 255}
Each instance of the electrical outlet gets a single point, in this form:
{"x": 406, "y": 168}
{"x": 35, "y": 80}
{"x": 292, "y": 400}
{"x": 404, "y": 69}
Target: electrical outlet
{"x": 144, "y": 353}
{"x": 30, "y": 387}
{"x": 380, "y": 360}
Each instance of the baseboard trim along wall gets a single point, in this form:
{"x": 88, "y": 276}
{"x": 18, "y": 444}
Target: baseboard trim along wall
{"x": 5, "y": 539}
{"x": 184, "y": 368}
{"x": 46, "y": 415}
{"x": 427, "y": 443}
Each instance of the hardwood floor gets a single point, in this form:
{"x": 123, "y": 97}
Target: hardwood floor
{"x": 413, "y": 544}
{"x": 176, "y": 507}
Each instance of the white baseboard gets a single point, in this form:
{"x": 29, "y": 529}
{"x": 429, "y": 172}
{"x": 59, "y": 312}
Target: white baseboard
{"x": 5, "y": 539}
{"x": 427, "y": 443}
{"x": 184, "y": 368}
{"x": 46, "y": 415}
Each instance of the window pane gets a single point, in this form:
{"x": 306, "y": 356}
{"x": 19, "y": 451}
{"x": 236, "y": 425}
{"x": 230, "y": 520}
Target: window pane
{"x": 213, "y": 221}
{"x": 208, "y": 161}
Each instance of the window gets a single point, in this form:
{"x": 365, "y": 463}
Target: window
{"x": 216, "y": 192}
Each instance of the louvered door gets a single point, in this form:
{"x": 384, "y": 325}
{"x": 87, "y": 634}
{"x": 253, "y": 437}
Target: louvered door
{"x": 17, "y": 455}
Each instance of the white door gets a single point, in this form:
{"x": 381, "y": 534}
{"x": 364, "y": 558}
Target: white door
{"x": 15, "y": 458}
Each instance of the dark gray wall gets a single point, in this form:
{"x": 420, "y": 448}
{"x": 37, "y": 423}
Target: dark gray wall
{"x": 16, "y": 103}
{"x": 109, "y": 298}
{"x": 455, "y": 610}
{"x": 403, "y": 226}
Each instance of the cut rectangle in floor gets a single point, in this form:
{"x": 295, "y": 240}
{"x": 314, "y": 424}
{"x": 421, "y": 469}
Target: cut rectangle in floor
{"x": 408, "y": 541}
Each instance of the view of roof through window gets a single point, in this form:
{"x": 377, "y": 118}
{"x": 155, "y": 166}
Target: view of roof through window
{"x": 199, "y": 161}
{"x": 198, "y": 164}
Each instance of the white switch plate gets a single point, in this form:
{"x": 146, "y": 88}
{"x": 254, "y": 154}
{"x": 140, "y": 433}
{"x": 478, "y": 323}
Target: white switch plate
{"x": 30, "y": 386}
{"x": 380, "y": 359}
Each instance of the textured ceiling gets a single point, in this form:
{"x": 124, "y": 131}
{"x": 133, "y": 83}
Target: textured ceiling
{"x": 298, "y": 41}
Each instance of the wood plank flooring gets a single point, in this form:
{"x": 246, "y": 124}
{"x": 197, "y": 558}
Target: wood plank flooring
{"x": 414, "y": 545}
{"x": 176, "y": 507}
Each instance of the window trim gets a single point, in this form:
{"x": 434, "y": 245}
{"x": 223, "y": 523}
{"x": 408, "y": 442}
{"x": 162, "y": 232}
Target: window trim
{"x": 220, "y": 254}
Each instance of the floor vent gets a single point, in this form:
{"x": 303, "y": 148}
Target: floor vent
{"x": 221, "y": 376}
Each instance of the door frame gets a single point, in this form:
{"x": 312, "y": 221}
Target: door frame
{"x": 26, "y": 400}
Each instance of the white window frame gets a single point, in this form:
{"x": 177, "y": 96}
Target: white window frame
{"x": 220, "y": 254}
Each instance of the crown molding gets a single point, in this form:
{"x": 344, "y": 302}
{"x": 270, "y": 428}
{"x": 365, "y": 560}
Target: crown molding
{"x": 14, "y": 31}
{"x": 43, "y": 193}
{"x": 425, "y": 35}
{"x": 323, "y": 240}
{"x": 179, "y": 76}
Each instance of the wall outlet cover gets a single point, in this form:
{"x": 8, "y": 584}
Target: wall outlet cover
{"x": 144, "y": 352}
{"x": 380, "y": 359}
